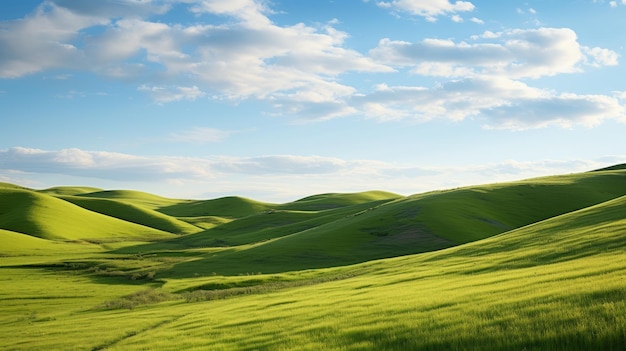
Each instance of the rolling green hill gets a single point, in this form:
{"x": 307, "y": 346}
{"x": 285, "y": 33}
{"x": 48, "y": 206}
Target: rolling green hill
{"x": 69, "y": 190}
{"x": 415, "y": 224}
{"x": 134, "y": 197}
{"x": 227, "y": 207}
{"x": 335, "y": 200}
{"x": 553, "y": 284}
{"x": 18, "y": 244}
{"x": 133, "y": 213}
{"x": 47, "y": 217}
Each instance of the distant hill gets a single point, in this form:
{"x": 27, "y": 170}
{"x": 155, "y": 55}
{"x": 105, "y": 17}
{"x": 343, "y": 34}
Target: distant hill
{"x": 69, "y": 190}
{"x": 335, "y": 200}
{"x": 228, "y": 207}
{"x": 147, "y": 200}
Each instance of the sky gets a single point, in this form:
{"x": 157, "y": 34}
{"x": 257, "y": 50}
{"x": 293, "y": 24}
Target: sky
{"x": 282, "y": 99}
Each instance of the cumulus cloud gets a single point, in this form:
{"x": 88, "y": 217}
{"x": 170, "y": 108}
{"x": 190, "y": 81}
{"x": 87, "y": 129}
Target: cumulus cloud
{"x": 601, "y": 57}
{"x": 518, "y": 53}
{"x": 248, "y": 57}
{"x": 499, "y": 102}
{"x": 428, "y": 9}
{"x": 486, "y": 80}
{"x": 298, "y": 69}
{"x": 51, "y": 30}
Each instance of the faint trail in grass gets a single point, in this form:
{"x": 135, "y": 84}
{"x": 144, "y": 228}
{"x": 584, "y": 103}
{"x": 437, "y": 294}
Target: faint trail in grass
{"x": 132, "y": 333}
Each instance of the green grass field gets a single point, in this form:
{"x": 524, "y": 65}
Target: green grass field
{"x": 531, "y": 265}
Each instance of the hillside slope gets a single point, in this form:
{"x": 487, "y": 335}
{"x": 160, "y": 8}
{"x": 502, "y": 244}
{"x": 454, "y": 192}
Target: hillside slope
{"x": 553, "y": 285}
{"x": 47, "y": 217}
{"x": 18, "y": 244}
{"x": 133, "y": 213}
{"x": 140, "y": 198}
{"x": 415, "y": 224}
{"x": 227, "y": 207}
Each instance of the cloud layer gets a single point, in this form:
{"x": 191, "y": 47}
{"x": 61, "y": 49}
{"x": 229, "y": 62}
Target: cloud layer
{"x": 270, "y": 177}
{"x": 297, "y": 69}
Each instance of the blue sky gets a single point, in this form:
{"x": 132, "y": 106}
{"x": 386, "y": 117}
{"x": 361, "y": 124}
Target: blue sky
{"x": 277, "y": 100}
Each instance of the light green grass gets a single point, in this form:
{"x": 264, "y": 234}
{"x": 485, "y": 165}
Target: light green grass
{"x": 374, "y": 230}
{"x": 134, "y": 213}
{"x": 17, "y": 244}
{"x": 69, "y": 190}
{"x": 140, "y": 198}
{"x": 554, "y": 285}
{"x": 48, "y": 217}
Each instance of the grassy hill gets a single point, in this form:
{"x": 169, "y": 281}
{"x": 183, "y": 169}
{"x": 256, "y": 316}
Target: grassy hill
{"x": 18, "y": 244}
{"x": 415, "y": 224}
{"x": 336, "y": 200}
{"x": 140, "y": 198}
{"x": 69, "y": 190}
{"x": 133, "y": 213}
{"x": 227, "y": 207}
{"x": 553, "y": 284}
{"x": 47, "y": 217}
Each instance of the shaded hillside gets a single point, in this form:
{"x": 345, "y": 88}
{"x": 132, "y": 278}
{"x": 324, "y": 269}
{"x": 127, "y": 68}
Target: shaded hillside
{"x": 228, "y": 207}
{"x": 336, "y": 200}
{"x": 612, "y": 168}
{"x": 267, "y": 225}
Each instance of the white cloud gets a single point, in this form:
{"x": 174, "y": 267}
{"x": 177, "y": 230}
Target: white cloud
{"x": 500, "y": 102}
{"x": 428, "y": 9}
{"x": 598, "y": 57}
{"x": 477, "y": 20}
{"x": 168, "y": 94}
{"x": 564, "y": 110}
{"x": 297, "y": 69}
{"x": 101, "y": 164}
{"x": 515, "y": 53}
{"x": 200, "y": 135}
{"x": 249, "y": 11}
{"x": 248, "y": 57}
{"x": 277, "y": 178}
{"x": 51, "y": 30}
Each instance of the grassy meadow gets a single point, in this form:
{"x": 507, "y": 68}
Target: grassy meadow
{"x": 538, "y": 264}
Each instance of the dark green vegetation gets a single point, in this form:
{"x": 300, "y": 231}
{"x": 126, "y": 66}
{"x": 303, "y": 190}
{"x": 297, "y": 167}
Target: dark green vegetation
{"x": 535, "y": 265}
